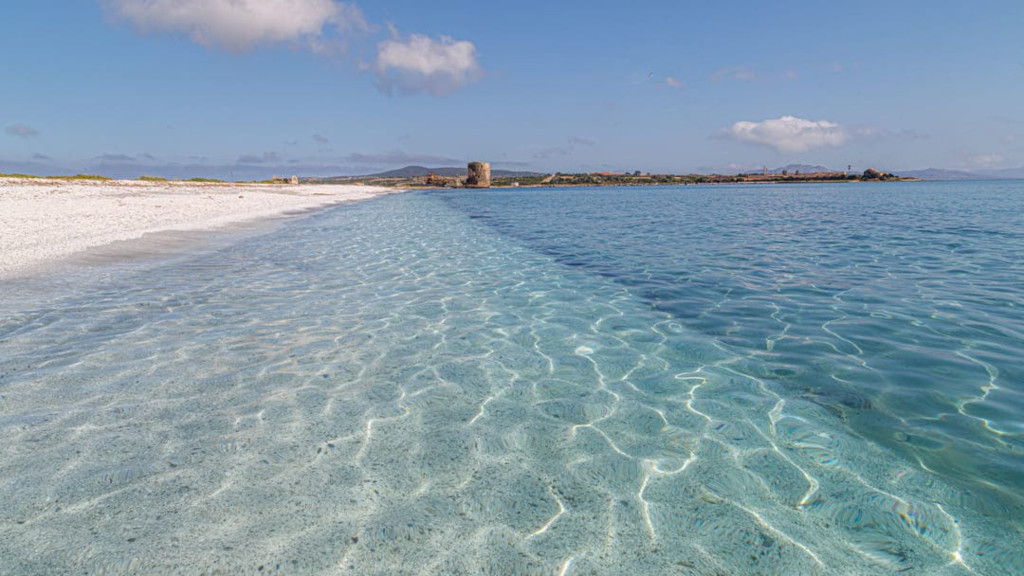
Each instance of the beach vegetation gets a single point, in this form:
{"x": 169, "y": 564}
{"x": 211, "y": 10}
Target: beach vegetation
{"x": 152, "y": 179}
{"x": 16, "y": 175}
{"x": 523, "y": 181}
{"x": 213, "y": 180}
{"x": 82, "y": 177}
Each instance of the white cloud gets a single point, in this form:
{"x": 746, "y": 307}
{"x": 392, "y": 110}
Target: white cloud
{"x": 789, "y": 133}
{"x": 238, "y": 25}
{"x": 730, "y": 168}
{"x": 422, "y": 64}
{"x": 674, "y": 82}
{"x": 417, "y": 63}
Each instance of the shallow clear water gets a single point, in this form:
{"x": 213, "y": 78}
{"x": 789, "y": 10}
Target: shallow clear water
{"x": 767, "y": 380}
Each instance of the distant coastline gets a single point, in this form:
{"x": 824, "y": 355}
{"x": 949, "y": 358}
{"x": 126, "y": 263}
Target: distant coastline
{"x": 414, "y": 177}
{"x": 419, "y": 177}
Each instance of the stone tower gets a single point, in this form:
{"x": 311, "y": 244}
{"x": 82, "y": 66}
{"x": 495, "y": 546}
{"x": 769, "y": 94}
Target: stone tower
{"x": 479, "y": 175}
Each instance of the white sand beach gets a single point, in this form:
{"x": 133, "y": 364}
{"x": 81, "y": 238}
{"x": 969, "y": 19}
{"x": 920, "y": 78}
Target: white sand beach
{"x": 45, "y": 220}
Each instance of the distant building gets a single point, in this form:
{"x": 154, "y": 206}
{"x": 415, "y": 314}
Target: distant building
{"x": 479, "y": 175}
{"x": 433, "y": 179}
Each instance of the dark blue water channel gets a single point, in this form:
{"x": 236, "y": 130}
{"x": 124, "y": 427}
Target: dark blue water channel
{"x": 907, "y": 298}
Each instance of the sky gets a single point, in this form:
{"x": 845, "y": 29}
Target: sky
{"x": 247, "y": 89}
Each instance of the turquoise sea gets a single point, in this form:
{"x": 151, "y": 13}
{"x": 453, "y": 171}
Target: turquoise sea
{"x": 789, "y": 380}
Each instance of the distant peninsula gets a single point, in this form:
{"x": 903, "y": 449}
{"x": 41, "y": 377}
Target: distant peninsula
{"x": 422, "y": 177}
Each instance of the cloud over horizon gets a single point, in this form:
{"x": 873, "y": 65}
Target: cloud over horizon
{"x": 968, "y": 159}
{"x": 21, "y": 130}
{"x": 265, "y": 158}
{"x": 421, "y": 64}
{"x": 789, "y": 134}
{"x": 987, "y": 160}
{"x": 573, "y": 144}
{"x": 114, "y": 158}
{"x": 398, "y": 158}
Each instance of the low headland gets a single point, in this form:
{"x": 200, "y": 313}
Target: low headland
{"x": 420, "y": 177}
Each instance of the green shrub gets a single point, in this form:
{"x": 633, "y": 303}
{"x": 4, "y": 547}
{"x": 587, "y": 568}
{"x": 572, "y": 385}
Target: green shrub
{"x": 82, "y": 177}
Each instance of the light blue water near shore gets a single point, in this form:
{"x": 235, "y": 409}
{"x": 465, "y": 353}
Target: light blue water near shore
{"x": 767, "y": 380}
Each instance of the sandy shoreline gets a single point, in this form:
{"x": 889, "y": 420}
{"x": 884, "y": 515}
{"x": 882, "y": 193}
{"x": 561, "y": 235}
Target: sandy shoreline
{"x": 43, "y": 221}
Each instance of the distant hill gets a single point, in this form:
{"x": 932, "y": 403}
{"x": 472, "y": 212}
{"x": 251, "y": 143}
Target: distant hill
{"x": 940, "y": 174}
{"x": 1006, "y": 173}
{"x": 418, "y": 172}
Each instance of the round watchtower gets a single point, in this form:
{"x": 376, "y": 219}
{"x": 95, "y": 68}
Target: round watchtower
{"x": 479, "y": 175}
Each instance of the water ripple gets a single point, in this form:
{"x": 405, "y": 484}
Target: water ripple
{"x": 395, "y": 388}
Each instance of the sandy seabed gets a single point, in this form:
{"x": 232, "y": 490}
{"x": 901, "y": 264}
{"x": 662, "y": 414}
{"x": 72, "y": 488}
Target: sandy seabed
{"x": 43, "y": 221}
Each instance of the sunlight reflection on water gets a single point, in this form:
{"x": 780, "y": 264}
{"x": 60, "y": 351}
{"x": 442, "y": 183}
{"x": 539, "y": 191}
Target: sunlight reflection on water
{"x": 719, "y": 381}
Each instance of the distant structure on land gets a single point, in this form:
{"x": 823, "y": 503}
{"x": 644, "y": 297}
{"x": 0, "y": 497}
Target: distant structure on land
{"x": 479, "y": 175}
{"x": 294, "y": 180}
{"x": 433, "y": 179}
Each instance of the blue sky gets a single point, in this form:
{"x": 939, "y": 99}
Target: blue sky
{"x": 252, "y": 88}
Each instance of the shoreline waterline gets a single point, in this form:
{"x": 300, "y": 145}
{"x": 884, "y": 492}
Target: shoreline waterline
{"x": 48, "y": 223}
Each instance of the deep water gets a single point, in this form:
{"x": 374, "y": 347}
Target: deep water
{"x": 690, "y": 380}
